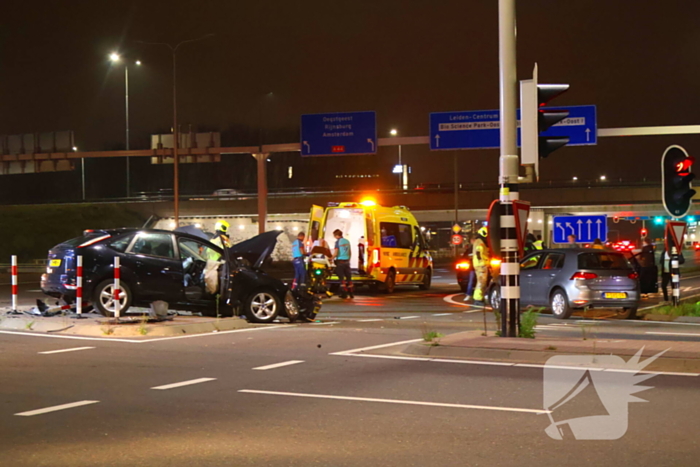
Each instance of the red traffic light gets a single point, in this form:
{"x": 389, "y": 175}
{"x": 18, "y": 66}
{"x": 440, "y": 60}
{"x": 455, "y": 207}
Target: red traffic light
{"x": 683, "y": 167}
{"x": 644, "y": 232}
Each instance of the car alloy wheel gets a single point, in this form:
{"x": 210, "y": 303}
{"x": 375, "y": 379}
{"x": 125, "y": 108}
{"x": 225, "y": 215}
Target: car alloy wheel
{"x": 560, "y": 305}
{"x": 104, "y": 298}
{"x": 495, "y": 298}
{"x": 291, "y": 307}
{"x": 263, "y": 307}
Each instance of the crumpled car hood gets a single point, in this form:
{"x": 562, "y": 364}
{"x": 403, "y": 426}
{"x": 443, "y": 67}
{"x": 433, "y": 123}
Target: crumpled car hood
{"x": 255, "y": 250}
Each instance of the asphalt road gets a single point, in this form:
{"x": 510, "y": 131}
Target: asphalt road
{"x": 278, "y": 396}
{"x": 244, "y": 409}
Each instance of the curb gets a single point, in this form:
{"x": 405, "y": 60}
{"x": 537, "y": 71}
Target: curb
{"x": 537, "y": 357}
{"x": 101, "y": 327}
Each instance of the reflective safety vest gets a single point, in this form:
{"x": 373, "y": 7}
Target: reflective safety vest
{"x": 480, "y": 258}
{"x": 537, "y": 244}
{"x": 214, "y": 255}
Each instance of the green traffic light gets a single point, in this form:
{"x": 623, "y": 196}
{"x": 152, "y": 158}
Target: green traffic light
{"x": 658, "y": 220}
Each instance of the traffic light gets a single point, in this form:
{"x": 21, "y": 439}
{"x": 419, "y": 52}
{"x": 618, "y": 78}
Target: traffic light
{"x": 658, "y": 220}
{"x": 643, "y": 232}
{"x": 676, "y": 178}
{"x": 535, "y": 118}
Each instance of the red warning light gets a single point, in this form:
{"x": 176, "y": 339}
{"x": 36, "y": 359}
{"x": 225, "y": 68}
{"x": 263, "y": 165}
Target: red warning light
{"x": 683, "y": 167}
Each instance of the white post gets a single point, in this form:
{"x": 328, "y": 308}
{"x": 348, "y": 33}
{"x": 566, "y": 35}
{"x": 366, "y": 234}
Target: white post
{"x": 509, "y": 169}
{"x": 79, "y": 287}
{"x": 117, "y": 288}
{"x": 14, "y": 282}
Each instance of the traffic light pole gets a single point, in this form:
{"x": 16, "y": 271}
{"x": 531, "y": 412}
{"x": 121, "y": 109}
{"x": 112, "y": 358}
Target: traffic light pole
{"x": 508, "y": 170}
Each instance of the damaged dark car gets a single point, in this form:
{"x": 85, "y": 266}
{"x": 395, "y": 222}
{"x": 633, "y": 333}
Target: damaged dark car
{"x": 183, "y": 269}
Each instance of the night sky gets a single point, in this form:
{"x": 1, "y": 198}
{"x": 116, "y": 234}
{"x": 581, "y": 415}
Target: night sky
{"x": 637, "y": 61}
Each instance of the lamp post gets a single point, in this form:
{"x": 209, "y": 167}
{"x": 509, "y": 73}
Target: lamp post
{"x": 176, "y": 158}
{"x": 116, "y": 58}
{"x": 403, "y": 173}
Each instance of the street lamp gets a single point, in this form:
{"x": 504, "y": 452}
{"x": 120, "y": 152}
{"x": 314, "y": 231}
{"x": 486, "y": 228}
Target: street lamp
{"x": 176, "y": 158}
{"x": 116, "y": 58}
{"x": 603, "y": 178}
{"x": 403, "y": 172}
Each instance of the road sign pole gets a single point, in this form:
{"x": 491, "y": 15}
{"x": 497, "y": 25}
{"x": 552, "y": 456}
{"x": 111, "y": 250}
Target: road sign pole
{"x": 509, "y": 166}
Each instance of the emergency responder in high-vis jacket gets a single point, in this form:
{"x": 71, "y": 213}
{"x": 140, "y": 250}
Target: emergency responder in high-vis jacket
{"x": 298, "y": 255}
{"x": 480, "y": 260}
{"x": 342, "y": 254}
{"x": 221, "y": 239}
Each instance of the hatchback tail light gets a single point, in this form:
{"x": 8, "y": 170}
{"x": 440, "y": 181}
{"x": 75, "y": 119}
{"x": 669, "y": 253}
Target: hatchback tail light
{"x": 633, "y": 275}
{"x": 464, "y": 265}
{"x": 583, "y": 275}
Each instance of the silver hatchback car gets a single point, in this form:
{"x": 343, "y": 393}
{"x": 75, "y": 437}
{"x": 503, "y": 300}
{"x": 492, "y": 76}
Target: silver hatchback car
{"x": 566, "y": 279}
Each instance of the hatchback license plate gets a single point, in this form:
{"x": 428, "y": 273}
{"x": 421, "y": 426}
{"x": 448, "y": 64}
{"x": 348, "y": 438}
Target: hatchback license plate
{"x": 614, "y": 295}
{"x": 55, "y": 263}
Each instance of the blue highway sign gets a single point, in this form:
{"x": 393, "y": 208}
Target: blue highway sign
{"x": 586, "y": 228}
{"x": 580, "y": 126}
{"x": 480, "y": 129}
{"x": 338, "y": 134}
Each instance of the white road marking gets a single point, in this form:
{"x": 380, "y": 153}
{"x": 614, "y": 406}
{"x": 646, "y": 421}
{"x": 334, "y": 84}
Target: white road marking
{"x": 144, "y": 341}
{"x": 407, "y": 317}
{"x": 184, "y": 383}
{"x": 74, "y": 349}
{"x": 369, "y": 320}
{"x": 55, "y": 408}
{"x": 450, "y": 299}
{"x": 396, "y": 401}
{"x": 278, "y": 365}
{"x": 673, "y": 334}
{"x": 362, "y": 349}
{"x": 663, "y": 322}
{"x": 353, "y": 353}
{"x": 329, "y": 322}
{"x": 442, "y": 314}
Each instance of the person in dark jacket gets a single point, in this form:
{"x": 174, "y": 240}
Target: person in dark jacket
{"x": 648, "y": 272}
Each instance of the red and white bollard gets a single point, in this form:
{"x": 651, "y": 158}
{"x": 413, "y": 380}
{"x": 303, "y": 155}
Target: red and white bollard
{"x": 117, "y": 288}
{"x": 14, "y": 283}
{"x": 79, "y": 287}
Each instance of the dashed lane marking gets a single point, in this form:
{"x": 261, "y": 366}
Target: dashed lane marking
{"x": 184, "y": 383}
{"x": 55, "y": 408}
{"x": 369, "y": 320}
{"x": 442, "y": 314}
{"x": 395, "y": 401}
{"x": 278, "y": 365}
{"x": 74, "y": 349}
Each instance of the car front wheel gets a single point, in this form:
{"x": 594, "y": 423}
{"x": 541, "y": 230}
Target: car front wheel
{"x": 559, "y": 303}
{"x": 103, "y": 298}
{"x": 262, "y": 307}
{"x": 495, "y": 297}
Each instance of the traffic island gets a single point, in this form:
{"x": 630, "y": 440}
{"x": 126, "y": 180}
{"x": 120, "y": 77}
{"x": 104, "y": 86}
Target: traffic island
{"x": 97, "y": 326}
{"x": 683, "y": 357}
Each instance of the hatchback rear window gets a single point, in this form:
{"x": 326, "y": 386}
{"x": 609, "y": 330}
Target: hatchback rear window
{"x": 85, "y": 238}
{"x": 603, "y": 260}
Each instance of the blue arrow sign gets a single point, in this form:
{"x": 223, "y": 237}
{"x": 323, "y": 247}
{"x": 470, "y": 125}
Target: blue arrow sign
{"x": 480, "y": 129}
{"x": 580, "y": 126}
{"x": 338, "y": 134}
{"x": 586, "y": 228}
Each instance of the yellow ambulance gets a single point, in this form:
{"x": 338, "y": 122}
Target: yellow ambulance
{"x": 396, "y": 252}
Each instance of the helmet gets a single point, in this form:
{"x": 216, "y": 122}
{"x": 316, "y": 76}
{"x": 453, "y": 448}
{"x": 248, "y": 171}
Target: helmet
{"x": 221, "y": 226}
{"x": 484, "y": 231}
